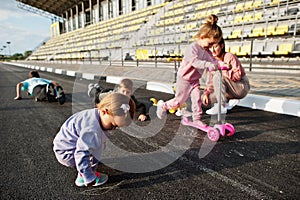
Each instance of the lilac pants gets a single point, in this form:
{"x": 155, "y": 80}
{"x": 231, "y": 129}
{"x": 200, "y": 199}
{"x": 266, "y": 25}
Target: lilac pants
{"x": 184, "y": 89}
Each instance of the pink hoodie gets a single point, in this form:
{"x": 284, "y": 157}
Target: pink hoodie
{"x": 195, "y": 61}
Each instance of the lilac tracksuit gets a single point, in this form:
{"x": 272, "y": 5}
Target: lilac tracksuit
{"x": 79, "y": 139}
{"x": 195, "y": 61}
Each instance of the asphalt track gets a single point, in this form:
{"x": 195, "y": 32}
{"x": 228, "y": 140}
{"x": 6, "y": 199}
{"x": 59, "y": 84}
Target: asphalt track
{"x": 261, "y": 161}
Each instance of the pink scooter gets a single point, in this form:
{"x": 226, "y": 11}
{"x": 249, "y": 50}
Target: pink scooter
{"x": 218, "y": 129}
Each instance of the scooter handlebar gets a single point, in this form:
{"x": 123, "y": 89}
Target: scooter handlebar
{"x": 224, "y": 68}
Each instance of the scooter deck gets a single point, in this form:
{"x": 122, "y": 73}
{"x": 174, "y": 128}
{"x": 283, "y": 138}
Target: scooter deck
{"x": 185, "y": 121}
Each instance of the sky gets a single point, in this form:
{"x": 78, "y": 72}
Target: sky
{"x": 23, "y": 29}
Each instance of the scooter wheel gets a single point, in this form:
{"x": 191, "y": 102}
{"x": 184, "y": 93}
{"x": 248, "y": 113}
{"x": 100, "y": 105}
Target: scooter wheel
{"x": 213, "y": 134}
{"x": 229, "y": 130}
{"x": 172, "y": 111}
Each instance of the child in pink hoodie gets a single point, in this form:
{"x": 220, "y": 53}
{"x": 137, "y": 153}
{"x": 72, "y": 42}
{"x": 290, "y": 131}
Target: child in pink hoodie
{"x": 196, "y": 59}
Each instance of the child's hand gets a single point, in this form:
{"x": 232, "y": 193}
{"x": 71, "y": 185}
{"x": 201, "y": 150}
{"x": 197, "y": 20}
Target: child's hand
{"x": 142, "y": 117}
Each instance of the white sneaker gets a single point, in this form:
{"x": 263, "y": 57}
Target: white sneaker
{"x": 160, "y": 112}
{"x": 214, "y": 110}
{"x": 183, "y": 112}
{"x": 96, "y": 85}
{"x": 90, "y": 89}
{"x": 232, "y": 103}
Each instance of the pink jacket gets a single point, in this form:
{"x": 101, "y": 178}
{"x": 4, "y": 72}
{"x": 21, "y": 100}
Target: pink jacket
{"x": 235, "y": 74}
{"x": 195, "y": 61}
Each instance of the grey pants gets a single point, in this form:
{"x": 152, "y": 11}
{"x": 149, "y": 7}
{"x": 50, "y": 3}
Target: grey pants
{"x": 229, "y": 88}
{"x": 40, "y": 92}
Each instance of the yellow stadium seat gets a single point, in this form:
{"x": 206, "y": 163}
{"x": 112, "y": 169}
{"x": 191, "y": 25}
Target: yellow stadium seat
{"x": 258, "y": 16}
{"x": 169, "y": 21}
{"x": 177, "y": 20}
{"x": 248, "y": 18}
{"x": 245, "y": 50}
{"x": 199, "y": 15}
{"x": 281, "y": 30}
{"x": 248, "y": 5}
{"x": 238, "y": 19}
{"x": 179, "y": 12}
{"x": 235, "y": 34}
{"x": 270, "y": 30}
{"x": 142, "y": 54}
{"x": 274, "y": 2}
{"x": 189, "y": 26}
{"x": 215, "y": 11}
{"x": 257, "y": 32}
{"x": 257, "y": 4}
{"x": 235, "y": 49}
{"x": 192, "y": 39}
{"x": 170, "y": 59}
{"x": 284, "y": 49}
{"x": 192, "y": 26}
{"x": 178, "y": 5}
{"x": 227, "y": 48}
{"x": 239, "y": 7}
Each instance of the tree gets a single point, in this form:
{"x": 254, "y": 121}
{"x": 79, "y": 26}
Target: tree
{"x": 27, "y": 54}
{"x": 17, "y": 56}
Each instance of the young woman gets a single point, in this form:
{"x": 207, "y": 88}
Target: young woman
{"x": 235, "y": 84}
{"x": 37, "y": 87}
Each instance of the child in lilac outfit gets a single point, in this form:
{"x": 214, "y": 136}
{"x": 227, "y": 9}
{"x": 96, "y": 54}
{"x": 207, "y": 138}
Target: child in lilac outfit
{"x": 196, "y": 59}
{"x": 80, "y": 141}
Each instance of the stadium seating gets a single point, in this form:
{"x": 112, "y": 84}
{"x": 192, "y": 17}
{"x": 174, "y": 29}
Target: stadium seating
{"x": 162, "y": 31}
{"x": 281, "y": 29}
{"x": 296, "y": 49}
{"x": 257, "y": 32}
{"x": 245, "y": 50}
{"x": 235, "y": 34}
{"x": 271, "y": 30}
{"x": 284, "y": 49}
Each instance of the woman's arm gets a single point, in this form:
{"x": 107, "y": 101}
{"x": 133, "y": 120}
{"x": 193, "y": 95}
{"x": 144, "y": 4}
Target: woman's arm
{"x": 18, "y": 91}
{"x": 237, "y": 71}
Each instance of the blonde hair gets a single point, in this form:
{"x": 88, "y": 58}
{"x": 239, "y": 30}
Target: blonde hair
{"x": 210, "y": 29}
{"x": 114, "y": 104}
{"x": 126, "y": 83}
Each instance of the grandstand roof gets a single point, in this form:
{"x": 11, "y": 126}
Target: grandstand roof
{"x": 56, "y": 7}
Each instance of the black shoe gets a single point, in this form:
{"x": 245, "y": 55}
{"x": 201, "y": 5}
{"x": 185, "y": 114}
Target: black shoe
{"x": 61, "y": 98}
{"x": 60, "y": 95}
{"x": 51, "y": 93}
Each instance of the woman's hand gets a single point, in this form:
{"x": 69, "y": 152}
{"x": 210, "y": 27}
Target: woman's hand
{"x": 205, "y": 99}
